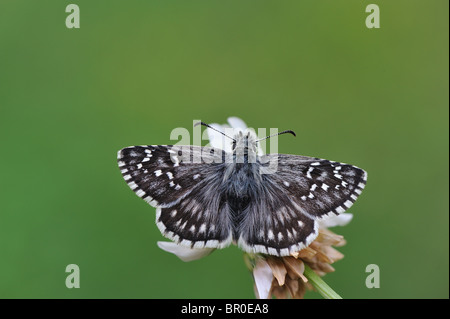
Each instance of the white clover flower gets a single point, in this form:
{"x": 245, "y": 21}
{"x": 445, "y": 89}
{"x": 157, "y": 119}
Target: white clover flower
{"x": 183, "y": 252}
{"x": 339, "y": 220}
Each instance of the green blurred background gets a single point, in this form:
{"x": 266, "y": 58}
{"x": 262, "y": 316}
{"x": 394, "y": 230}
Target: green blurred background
{"x": 71, "y": 98}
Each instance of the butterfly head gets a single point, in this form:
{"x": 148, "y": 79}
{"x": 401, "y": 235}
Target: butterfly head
{"x": 244, "y": 142}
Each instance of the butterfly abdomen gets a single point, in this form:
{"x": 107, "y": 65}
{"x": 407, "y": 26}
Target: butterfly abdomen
{"x": 239, "y": 189}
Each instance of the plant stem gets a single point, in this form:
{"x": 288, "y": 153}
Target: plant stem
{"x": 319, "y": 284}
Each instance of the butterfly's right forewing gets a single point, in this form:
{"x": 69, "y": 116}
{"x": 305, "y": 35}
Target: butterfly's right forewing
{"x": 321, "y": 187}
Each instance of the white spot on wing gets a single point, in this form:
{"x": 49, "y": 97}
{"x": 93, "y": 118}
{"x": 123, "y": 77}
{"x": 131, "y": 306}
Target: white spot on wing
{"x": 140, "y": 192}
{"x": 340, "y": 210}
{"x": 280, "y": 236}
{"x": 348, "y": 203}
{"x": 308, "y": 173}
{"x": 350, "y": 173}
{"x": 261, "y": 234}
{"x": 132, "y": 185}
{"x": 289, "y": 234}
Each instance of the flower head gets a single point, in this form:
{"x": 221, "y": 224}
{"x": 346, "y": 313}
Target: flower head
{"x": 284, "y": 277}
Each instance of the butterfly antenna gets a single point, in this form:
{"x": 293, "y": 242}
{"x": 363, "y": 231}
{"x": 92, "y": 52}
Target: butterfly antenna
{"x": 284, "y": 132}
{"x": 212, "y": 128}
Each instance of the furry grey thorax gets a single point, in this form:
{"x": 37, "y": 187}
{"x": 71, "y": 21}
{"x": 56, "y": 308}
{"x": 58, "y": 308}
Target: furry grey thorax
{"x": 242, "y": 166}
{"x": 242, "y": 176}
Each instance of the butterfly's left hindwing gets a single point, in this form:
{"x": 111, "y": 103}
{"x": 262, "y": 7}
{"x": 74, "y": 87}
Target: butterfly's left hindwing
{"x": 183, "y": 184}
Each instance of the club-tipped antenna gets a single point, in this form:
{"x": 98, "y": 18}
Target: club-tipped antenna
{"x": 284, "y": 132}
{"x": 212, "y": 128}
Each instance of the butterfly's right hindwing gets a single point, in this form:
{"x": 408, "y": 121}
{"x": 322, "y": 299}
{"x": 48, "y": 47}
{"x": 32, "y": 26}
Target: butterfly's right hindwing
{"x": 275, "y": 225}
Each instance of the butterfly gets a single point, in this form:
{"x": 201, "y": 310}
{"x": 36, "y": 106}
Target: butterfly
{"x": 209, "y": 198}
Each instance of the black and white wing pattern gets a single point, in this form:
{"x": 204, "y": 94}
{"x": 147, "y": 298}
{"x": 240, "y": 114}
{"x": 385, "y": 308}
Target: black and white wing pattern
{"x": 183, "y": 183}
{"x": 323, "y": 188}
{"x": 278, "y": 213}
{"x": 283, "y": 216}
